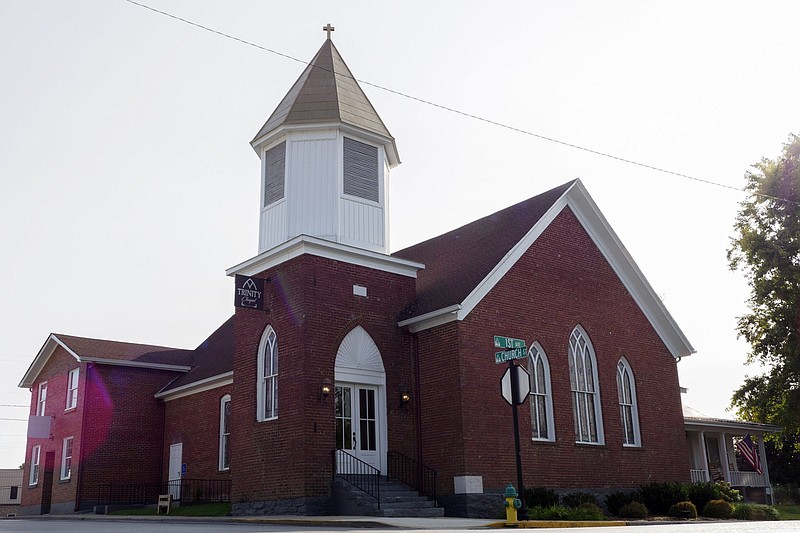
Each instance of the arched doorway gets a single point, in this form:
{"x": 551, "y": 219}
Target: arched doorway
{"x": 360, "y": 400}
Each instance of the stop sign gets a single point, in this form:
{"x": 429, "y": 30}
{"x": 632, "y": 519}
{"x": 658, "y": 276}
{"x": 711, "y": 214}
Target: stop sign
{"x": 521, "y": 380}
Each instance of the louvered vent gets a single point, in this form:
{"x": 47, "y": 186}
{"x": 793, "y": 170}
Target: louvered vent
{"x": 361, "y": 170}
{"x": 274, "y": 175}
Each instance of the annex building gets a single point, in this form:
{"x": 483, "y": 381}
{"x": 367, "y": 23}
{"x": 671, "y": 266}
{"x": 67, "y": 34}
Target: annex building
{"x": 345, "y": 362}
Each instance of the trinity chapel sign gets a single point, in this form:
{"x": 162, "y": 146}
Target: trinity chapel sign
{"x": 249, "y": 292}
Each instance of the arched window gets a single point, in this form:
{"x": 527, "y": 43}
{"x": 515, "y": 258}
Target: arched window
{"x": 585, "y": 389}
{"x": 541, "y": 397}
{"x": 628, "y": 411}
{"x": 267, "y": 393}
{"x": 224, "y": 432}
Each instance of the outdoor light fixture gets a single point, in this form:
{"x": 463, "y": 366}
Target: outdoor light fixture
{"x": 325, "y": 390}
{"x": 405, "y": 397}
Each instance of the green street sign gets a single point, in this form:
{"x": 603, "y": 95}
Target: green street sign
{"x": 508, "y": 355}
{"x": 508, "y": 342}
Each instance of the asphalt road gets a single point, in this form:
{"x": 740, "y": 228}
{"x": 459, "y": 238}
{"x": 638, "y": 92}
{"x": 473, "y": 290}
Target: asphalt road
{"x": 142, "y": 526}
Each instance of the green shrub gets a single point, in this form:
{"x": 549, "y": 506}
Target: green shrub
{"x": 616, "y": 500}
{"x": 552, "y": 512}
{"x": 752, "y": 511}
{"x": 633, "y": 510}
{"x": 659, "y": 497}
{"x": 727, "y": 493}
{"x": 540, "y": 497}
{"x": 786, "y": 494}
{"x": 718, "y": 509}
{"x": 683, "y": 510}
{"x": 574, "y": 499}
{"x": 587, "y": 511}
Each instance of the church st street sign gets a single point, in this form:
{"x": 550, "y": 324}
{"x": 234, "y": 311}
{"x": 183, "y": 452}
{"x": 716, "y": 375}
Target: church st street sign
{"x": 508, "y": 355}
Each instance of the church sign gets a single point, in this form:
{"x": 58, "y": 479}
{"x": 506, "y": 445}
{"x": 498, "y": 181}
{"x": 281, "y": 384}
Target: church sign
{"x": 249, "y": 292}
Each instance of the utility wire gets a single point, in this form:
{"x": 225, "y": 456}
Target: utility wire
{"x": 469, "y": 115}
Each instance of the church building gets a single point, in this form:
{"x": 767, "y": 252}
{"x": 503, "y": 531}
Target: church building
{"x": 345, "y": 368}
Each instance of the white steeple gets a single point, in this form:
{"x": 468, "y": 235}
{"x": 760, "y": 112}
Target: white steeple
{"x": 325, "y": 159}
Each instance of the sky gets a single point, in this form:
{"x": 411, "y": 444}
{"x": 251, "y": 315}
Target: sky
{"x": 128, "y": 186}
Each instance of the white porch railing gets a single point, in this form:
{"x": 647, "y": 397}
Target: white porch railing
{"x": 698, "y": 476}
{"x": 748, "y": 479}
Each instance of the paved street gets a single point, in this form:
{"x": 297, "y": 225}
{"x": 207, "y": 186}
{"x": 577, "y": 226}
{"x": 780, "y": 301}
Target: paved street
{"x": 98, "y": 525}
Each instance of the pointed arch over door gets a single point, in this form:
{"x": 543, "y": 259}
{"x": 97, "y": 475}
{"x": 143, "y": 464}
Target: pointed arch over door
{"x": 360, "y": 399}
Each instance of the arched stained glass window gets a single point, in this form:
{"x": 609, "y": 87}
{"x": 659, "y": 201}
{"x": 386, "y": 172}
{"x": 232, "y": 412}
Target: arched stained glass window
{"x": 541, "y": 396}
{"x": 585, "y": 389}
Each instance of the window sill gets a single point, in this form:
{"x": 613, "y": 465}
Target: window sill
{"x": 70, "y": 409}
{"x": 631, "y": 446}
{"x": 267, "y": 419}
{"x": 590, "y": 444}
{"x": 543, "y": 441}
{"x": 33, "y": 486}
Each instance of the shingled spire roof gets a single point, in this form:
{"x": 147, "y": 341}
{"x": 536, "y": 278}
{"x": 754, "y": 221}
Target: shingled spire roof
{"x": 326, "y": 92}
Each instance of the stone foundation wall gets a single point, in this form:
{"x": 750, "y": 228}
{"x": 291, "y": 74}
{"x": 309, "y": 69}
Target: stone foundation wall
{"x": 318, "y": 506}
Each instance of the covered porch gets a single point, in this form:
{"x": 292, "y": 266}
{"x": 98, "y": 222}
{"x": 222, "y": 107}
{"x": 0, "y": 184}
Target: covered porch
{"x": 713, "y": 455}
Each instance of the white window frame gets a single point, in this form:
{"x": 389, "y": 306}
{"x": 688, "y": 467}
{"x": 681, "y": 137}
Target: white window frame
{"x": 537, "y": 396}
{"x": 36, "y": 455}
{"x": 72, "y": 388}
{"x": 41, "y": 400}
{"x": 224, "y": 436}
{"x": 585, "y": 387}
{"x": 628, "y": 403}
{"x": 267, "y": 382}
{"x": 66, "y": 458}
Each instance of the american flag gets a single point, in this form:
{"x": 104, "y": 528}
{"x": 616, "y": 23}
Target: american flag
{"x": 747, "y": 448}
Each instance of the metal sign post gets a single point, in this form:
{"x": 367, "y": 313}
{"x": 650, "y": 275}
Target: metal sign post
{"x": 523, "y": 514}
{"x": 515, "y": 386}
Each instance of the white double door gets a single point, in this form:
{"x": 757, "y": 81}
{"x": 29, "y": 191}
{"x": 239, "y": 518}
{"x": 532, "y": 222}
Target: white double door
{"x": 358, "y": 424}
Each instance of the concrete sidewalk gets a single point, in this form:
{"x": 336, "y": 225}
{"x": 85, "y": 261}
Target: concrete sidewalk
{"x": 360, "y": 522}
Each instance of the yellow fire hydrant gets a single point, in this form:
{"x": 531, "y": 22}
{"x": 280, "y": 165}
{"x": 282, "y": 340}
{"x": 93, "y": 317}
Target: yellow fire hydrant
{"x": 512, "y": 503}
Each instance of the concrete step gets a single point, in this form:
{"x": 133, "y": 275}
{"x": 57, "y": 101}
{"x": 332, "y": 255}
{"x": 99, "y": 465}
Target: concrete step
{"x": 430, "y": 512}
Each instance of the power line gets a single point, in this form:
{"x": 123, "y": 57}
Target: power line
{"x": 470, "y": 115}
{"x": 15, "y": 419}
{"x": 12, "y": 405}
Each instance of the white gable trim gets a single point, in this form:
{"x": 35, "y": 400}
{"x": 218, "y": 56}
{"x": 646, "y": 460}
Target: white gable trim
{"x": 202, "y": 385}
{"x": 588, "y": 214}
{"x": 41, "y": 359}
{"x": 305, "y": 244}
{"x": 53, "y": 342}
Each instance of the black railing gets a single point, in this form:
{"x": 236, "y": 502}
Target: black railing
{"x": 412, "y": 473}
{"x": 361, "y": 475}
{"x": 183, "y": 490}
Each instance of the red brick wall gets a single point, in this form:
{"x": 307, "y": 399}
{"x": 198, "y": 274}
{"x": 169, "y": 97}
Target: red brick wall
{"x": 124, "y": 427}
{"x": 562, "y": 281}
{"x": 311, "y": 308}
{"x": 65, "y": 423}
{"x": 194, "y": 421}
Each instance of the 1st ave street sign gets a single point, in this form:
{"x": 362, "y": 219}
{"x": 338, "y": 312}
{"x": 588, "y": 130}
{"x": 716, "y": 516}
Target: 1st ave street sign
{"x": 508, "y": 342}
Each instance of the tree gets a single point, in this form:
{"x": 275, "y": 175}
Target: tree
{"x": 766, "y": 247}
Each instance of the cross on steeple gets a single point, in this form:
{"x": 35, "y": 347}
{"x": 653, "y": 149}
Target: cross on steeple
{"x": 328, "y": 28}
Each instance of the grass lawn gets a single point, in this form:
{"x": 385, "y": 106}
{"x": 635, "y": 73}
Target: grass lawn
{"x": 789, "y": 512}
{"x": 202, "y": 509}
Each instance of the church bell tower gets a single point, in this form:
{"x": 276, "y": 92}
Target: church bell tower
{"x": 325, "y": 160}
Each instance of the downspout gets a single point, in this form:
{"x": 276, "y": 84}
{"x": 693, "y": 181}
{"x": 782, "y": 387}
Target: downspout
{"x": 81, "y": 455}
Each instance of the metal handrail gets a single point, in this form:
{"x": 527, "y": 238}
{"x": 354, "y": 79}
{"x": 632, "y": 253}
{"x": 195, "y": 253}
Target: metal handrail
{"x": 361, "y": 475}
{"x": 183, "y": 490}
{"x": 412, "y": 473}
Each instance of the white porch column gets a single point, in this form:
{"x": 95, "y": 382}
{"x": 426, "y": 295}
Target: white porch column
{"x": 763, "y": 456}
{"x": 726, "y": 468}
{"x": 705, "y": 453}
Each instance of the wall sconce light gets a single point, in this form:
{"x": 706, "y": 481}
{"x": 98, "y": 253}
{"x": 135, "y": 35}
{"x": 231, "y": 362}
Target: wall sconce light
{"x": 325, "y": 390}
{"x": 405, "y": 397}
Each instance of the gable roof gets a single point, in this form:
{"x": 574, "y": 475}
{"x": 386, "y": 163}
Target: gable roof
{"x": 326, "y": 92}
{"x": 463, "y": 265}
{"x": 212, "y": 362}
{"x": 87, "y": 350}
